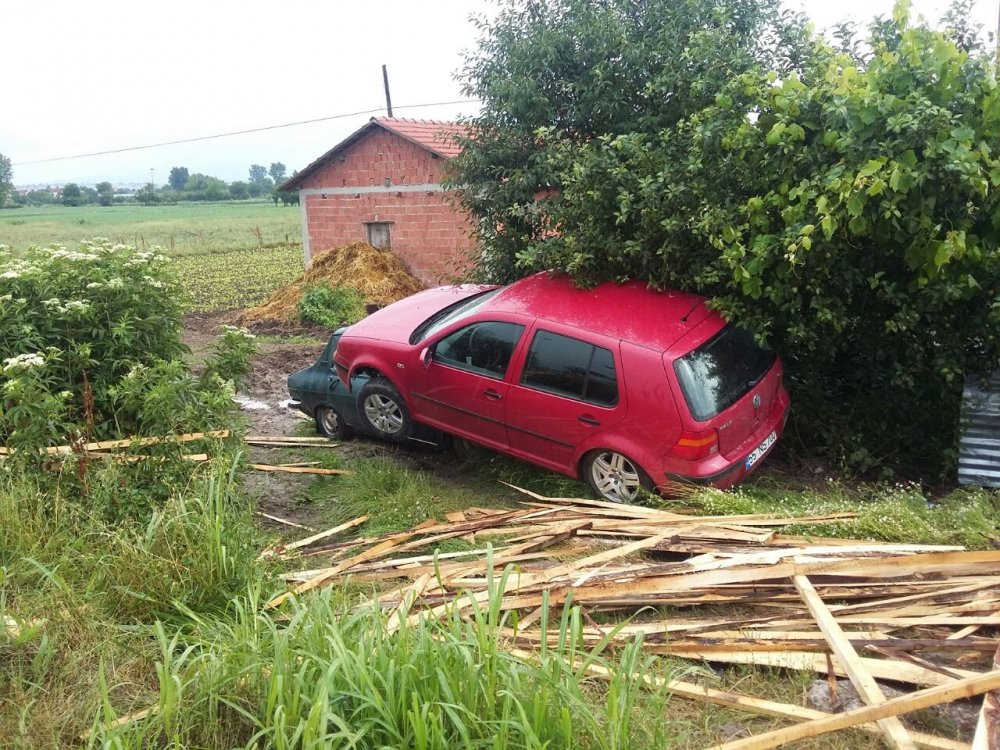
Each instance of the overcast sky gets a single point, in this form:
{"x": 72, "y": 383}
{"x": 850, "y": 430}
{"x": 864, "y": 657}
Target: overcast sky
{"x": 89, "y": 77}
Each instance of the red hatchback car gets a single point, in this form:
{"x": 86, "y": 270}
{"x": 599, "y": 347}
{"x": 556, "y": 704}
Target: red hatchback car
{"x": 622, "y": 386}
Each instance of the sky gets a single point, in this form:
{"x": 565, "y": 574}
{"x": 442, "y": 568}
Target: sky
{"x": 82, "y": 78}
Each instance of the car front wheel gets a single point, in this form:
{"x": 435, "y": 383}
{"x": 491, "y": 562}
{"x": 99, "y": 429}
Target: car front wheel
{"x": 615, "y": 477}
{"x": 330, "y": 424}
{"x": 383, "y": 411}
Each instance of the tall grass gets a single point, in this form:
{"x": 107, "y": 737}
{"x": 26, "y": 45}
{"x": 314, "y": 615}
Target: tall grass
{"x": 85, "y": 592}
{"x": 334, "y": 675}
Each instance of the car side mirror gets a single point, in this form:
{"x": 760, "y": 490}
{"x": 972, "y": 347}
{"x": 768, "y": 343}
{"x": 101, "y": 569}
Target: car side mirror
{"x": 426, "y": 355}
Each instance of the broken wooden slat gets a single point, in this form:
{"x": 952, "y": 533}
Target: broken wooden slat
{"x": 325, "y": 534}
{"x": 865, "y": 684}
{"x": 893, "y": 707}
{"x": 299, "y": 470}
{"x": 988, "y": 728}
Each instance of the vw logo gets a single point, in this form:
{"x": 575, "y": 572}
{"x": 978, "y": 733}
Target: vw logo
{"x": 756, "y": 401}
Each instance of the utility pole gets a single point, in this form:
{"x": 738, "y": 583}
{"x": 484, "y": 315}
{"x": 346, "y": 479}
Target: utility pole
{"x": 388, "y": 99}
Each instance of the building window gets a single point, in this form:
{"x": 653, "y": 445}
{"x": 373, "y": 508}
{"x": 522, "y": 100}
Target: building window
{"x": 378, "y": 233}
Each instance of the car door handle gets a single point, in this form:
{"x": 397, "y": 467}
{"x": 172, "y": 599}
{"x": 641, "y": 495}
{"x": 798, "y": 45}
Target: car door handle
{"x": 587, "y": 419}
{"x": 490, "y": 393}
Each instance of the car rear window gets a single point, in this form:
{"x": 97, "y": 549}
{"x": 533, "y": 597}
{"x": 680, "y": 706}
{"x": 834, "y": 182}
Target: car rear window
{"x": 570, "y": 367}
{"x": 718, "y": 373}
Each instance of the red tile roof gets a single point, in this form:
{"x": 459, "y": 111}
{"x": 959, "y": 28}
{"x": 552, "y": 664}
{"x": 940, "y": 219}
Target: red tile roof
{"x": 436, "y": 136}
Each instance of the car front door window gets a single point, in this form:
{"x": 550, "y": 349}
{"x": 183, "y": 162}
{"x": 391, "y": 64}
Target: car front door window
{"x": 484, "y": 348}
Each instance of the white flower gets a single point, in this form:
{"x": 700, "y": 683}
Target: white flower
{"x": 94, "y": 285}
{"x": 76, "y": 305}
{"x": 116, "y": 283}
{"x": 9, "y": 274}
{"x": 6, "y": 297}
{"x": 23, "y": 362}
{"x": 50, "y": 303}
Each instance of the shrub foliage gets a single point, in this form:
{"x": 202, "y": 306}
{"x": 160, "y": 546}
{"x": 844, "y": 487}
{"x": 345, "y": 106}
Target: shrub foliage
{"x": 841, "y": 204}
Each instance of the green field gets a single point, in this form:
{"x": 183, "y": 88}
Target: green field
{"x": 230, "y": 255}
{"x": 183, "y": 229}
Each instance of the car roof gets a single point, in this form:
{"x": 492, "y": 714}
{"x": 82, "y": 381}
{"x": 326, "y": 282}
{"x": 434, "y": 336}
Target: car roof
{"x": 629, "y": 311}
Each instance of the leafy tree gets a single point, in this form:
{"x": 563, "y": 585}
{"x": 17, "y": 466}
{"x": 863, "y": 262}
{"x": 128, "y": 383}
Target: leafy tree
{"x": 846, "y": 211}
{"x": 239, "y": 190}
{"x": 258, "y": 174}
{"x": 277, "y": 172}
{"x": 147, "y": 195}
{"x": 178, "y": 178}
{"x": 587, "y": 69}
{"x": 105, "y": 193}
{"x": 201, "y": 187}
{"x": 6, "y": 180}
{"x": 72, "y": 195}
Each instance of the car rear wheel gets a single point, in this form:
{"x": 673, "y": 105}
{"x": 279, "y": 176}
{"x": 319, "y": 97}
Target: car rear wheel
{"x": 615, "y": 477}
{"x": 330, "y": 424}
{"x": 383, "y": 411}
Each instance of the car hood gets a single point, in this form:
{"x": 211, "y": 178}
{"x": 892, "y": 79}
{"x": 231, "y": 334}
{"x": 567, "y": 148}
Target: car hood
{"x": 397, "y": 321}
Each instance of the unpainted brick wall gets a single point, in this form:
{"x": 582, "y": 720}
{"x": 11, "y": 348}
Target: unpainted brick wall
{"x": 429, "y": 234}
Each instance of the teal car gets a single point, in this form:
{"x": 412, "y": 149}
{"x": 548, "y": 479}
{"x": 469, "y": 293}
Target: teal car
{"x": 317, "y": 392}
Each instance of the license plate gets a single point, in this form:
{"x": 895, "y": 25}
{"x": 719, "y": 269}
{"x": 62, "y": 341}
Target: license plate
{"x": 757, "y": 453}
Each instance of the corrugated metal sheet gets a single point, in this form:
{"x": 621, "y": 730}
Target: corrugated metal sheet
{"x": 979, "y": 448}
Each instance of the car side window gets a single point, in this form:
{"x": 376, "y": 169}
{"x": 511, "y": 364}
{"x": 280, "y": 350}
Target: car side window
{"x": 485, "y": 347}
{"x": 571, "y": 367}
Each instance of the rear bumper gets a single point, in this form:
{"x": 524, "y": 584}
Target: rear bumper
{"x": 721, "y": 474}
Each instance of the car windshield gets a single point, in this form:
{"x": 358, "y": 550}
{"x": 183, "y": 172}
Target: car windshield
{"x": 450, "y": 314}
{"x": 714, "y": 376}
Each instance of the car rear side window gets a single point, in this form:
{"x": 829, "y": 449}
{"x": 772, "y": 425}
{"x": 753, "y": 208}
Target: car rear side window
{"x": 571, "y": 367}
{"x": 718, "y": 373}
{"x": 481, "y": 347}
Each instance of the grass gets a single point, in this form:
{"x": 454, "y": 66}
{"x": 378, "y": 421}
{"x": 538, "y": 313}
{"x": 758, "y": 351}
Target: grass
{"x": 900, "y": 513}
{"x": 184, "y": 229}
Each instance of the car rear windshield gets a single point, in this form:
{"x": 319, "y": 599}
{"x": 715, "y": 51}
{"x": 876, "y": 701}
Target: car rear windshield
{"x": 714, "y": 376}
{"x": 450, "y": 314}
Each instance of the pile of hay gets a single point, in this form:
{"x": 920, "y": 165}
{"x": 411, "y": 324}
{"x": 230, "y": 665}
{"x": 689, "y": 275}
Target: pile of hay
{"x": 376, "y": 274}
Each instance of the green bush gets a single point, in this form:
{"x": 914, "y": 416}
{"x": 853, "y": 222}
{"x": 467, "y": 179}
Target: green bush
{"x": 844, "y": 208}
{"x": 92, "y": 315}
{"x": 331, "y": 306}
{"x": 231, "y": 355}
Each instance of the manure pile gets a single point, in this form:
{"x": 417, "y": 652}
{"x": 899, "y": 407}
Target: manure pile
{"x": 376, "y": 274}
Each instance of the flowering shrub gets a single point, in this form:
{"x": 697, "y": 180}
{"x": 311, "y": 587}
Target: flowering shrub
{"x": 83, "y": 319}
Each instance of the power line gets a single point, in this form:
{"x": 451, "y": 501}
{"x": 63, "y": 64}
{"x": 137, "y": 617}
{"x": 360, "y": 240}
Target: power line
{"x": 239, "y": 132}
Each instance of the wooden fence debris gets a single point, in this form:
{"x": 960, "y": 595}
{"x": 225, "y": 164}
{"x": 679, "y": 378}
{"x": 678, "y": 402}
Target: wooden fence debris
{"x": 923, "y": 615}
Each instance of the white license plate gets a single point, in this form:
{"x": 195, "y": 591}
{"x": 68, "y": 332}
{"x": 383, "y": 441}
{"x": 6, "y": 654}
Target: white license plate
{"x": 757, "y": 453}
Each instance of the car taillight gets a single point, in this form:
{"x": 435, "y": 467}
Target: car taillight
{"x": 696, "y": 445}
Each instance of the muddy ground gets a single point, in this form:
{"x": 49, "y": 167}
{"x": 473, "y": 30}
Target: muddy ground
{"x": 285, "y": 349}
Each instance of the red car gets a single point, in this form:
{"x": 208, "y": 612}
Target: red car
{"x": 620, "y": 385}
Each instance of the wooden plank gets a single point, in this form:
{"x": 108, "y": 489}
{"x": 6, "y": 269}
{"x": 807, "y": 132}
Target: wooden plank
{"x": 283, "y": 521}
{"x": 299, "y": 470}
{"x": 988, "y": 728}
{"x": 865, "y": 684}
{"x": 406, "y": 601}
{"x": 325, "y": 534}
{"x": 762, "y": 707}
{"x": 296, "y": 439}
{"x": 330, "y": 573}
{"x": 893, "y": 707}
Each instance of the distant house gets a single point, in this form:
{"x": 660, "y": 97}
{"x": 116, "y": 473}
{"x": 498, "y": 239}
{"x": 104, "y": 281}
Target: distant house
{"x": 383, "y": 184}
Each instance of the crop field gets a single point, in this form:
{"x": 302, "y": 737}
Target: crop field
{"x": 183, "y": 229}
{"x": 229, "y": 255}
{"x": 239, "y": 278}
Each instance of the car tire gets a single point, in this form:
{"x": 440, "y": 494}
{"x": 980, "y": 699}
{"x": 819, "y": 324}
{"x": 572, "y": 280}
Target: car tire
{"x": 330, "y": 423}
{"x": 615, "y": 477}
{"x": 383, "y": 411}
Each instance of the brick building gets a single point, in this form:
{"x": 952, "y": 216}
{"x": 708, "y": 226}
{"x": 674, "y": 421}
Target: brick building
{"x": 383, "y": 184}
